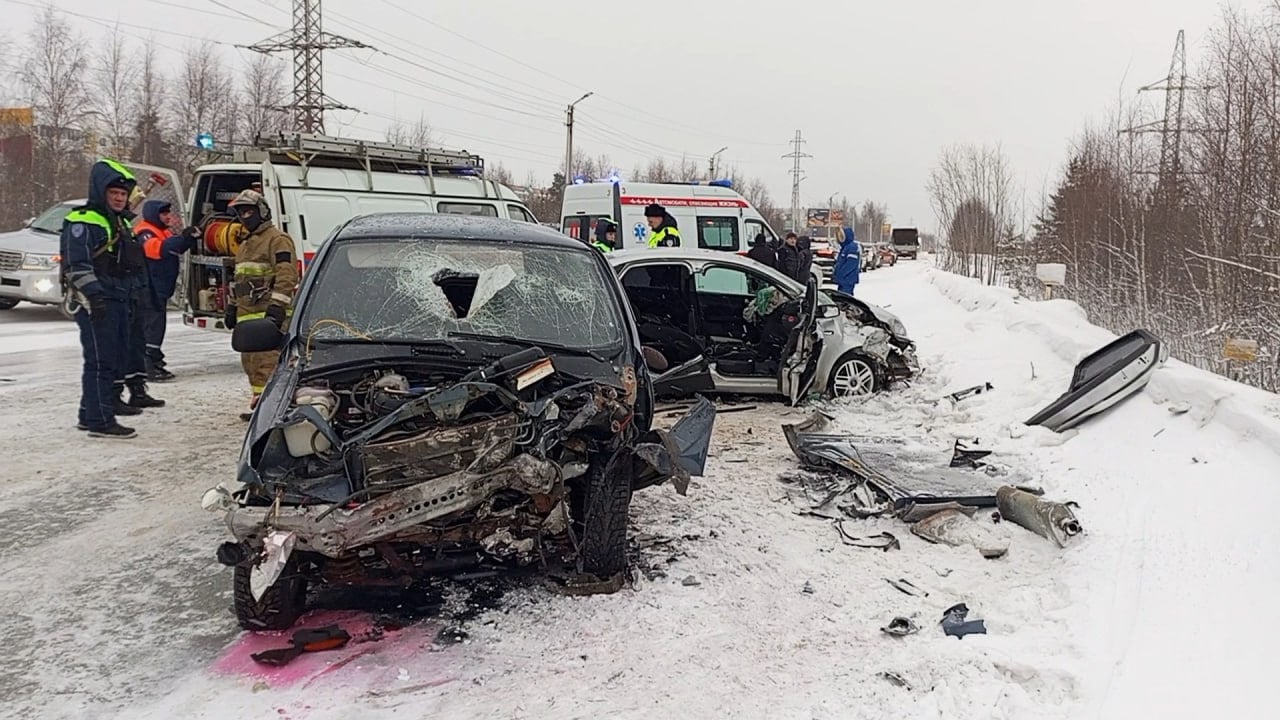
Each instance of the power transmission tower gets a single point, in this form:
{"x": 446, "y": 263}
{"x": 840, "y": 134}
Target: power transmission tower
{"x": 307, "y": 41}
{"x": 1174, "y": 86}
{"x": 796, "y": 176}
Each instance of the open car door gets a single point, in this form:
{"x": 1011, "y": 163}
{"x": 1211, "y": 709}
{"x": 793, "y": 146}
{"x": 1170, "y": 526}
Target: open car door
{"x": 799, "y": 363}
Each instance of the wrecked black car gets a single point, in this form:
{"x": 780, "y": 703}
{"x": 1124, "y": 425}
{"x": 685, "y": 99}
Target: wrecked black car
{"x": 453, "y": 392}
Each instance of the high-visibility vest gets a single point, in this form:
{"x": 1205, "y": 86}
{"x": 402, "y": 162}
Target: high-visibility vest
{"x": 601, "y": 246}
{"x": 152, "y": 246}
{"x": 657, "y": 237}
{"x": 89, "y": 216}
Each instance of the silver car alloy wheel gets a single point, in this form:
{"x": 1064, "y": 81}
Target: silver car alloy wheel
{"x": 853, "y": 378}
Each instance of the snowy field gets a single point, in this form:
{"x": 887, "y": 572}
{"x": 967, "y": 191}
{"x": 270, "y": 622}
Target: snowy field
{"x": 742, "y": 608}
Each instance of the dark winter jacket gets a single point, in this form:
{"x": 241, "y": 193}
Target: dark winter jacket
{"x": 848, "y": 262}
{"x": 667, "y": 234}
{"x": 601, "y": 241}
{"x": 789, "y": 262}
{"x": 762, "y": 253}
{"x": 163, "y": 273}
{"x": 99, "y": 255}
{"x": 804, "y": 244}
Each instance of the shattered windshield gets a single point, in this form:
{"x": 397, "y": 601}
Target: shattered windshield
{"x": 416, "y": 290}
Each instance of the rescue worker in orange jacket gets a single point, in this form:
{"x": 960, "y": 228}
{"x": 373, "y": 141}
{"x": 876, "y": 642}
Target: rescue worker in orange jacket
{"x": 266, "y": 277}
{"x": 163, "y": 250}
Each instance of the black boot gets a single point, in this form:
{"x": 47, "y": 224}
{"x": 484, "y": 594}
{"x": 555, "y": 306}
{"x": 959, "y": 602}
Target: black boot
{"x": 138, "y": 398}
{"x": 159, "y": 374}
{"x": 123, "y": 408}
{"x": 114, "y": 431}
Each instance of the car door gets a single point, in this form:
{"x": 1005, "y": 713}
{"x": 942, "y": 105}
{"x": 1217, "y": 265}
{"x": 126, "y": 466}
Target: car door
{"x": 656, "y": 291}
{"x": 799, "y": 364}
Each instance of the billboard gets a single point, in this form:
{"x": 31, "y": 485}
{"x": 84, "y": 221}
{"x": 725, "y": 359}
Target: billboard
{"x": 820, "y": 217}
{"x": 11, "y": 118}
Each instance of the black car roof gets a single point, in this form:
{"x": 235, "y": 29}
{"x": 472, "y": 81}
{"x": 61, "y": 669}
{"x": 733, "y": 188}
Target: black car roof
{"x": 440, "y": 226}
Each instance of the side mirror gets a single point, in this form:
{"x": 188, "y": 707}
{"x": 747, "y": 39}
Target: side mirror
{"x": 261, "y": 335}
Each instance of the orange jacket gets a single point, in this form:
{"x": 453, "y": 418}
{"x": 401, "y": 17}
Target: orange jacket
{"x": 156, "y": 235}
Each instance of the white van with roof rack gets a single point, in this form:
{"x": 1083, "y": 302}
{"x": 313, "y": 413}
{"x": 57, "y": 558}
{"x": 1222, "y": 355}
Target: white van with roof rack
{"x": 315, "y": 183}
{"x": 710, "y": 215}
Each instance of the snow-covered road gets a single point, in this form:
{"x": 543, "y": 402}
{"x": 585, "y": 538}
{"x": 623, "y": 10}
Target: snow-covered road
{"x": 742, "y": 608}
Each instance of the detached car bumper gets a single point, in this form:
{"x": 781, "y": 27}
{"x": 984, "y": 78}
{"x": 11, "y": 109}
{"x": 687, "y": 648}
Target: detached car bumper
{"x": 40, "y": 287}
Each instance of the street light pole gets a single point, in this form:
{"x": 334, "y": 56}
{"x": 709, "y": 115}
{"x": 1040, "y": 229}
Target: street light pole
{"x": 568, "y": 139}
{"x": 711, "y": 171}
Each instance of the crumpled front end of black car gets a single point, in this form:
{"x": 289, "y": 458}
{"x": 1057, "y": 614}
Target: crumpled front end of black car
{"x": 386, "y": 474}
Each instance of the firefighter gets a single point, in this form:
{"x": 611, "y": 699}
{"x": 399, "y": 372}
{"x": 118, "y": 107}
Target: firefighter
{"x": 606, "y": 238}
{"x": 265, "y": 280}
{"x": 163, "y": 249}
{"x": 97, "y": 271}
{"x": 662, "y": 227}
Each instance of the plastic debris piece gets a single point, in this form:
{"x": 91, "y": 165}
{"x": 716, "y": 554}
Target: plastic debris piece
{"x": 905, "y": 586}
{"x": 955, "y": 623}
{"x": 882, "y": 541}
{"x": 954, "y": 528}
{"x": 901, "y": 627}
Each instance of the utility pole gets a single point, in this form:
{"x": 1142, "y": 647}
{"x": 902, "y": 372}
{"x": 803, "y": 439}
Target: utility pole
{"x": 796, "y": 176}
{"x": 307, "y": 41}
{"x": 1171, "y": 126}
{"x": 711, "y": 170}
{"x": 568, "y": 138}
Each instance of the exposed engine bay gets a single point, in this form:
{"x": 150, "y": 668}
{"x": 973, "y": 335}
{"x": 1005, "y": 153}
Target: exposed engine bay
{"x": 414, "y": 467}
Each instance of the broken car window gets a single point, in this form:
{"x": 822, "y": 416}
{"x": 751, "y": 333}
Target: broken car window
{"x": 420, "y": 290}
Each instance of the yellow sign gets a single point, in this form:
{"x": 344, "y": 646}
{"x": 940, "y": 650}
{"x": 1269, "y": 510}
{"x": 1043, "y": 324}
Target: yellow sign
{"x": 886, "y": 229}
{"x": 21, "y": 117}
{"x": 1239, "y": 350}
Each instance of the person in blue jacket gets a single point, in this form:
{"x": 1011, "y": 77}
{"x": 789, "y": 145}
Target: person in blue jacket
{"x": 99, "y": 272}
{"x": 163, "y": 250}
{"x": 848, "y": 263}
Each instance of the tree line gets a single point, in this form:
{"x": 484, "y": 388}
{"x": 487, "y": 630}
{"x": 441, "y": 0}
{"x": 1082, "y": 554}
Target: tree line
{"x": 113, "y": 95}
{"x": 1182, "y": 238}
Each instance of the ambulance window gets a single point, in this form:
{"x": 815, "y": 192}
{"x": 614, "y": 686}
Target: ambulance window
{"x": 573, "y": 227}
{"x": 757, "y": 227}
{"x": 515, "y": 212}
{"x": 478, "y": 209}
{"x": 718, "y": 233}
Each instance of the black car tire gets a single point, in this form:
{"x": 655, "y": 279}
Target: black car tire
{"x": 8, "y": 303}
{"x": 281, "y": 604}
{"x": 606, "y": 507}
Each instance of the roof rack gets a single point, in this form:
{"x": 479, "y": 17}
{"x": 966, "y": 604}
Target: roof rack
{"x": 312, "y": 150}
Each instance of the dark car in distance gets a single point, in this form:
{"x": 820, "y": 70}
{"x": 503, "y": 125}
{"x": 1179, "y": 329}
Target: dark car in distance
{"x": 453, "y": 393}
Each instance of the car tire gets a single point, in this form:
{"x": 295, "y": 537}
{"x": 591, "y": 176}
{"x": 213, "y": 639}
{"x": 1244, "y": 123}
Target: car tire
{"x": 855, "y": 375}
{"x": 8, "y": 303}
{"x": 606, "y": 507}
{"x": 281, "y": 605}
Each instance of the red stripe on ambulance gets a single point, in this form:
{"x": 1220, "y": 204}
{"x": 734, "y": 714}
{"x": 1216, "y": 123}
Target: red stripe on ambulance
{"x": 686, "y": 201}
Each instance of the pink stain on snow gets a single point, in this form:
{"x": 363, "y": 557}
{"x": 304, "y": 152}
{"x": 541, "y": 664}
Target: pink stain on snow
{"x": 369, "y": 664}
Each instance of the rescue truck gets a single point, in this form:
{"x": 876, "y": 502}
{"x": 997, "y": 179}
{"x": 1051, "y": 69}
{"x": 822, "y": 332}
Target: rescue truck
{"x": 314, "y": 183}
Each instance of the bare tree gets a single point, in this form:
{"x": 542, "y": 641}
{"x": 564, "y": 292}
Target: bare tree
{"x": 418, "y": 134}
{"x": 149, "y": 146}
{"x": 265, "y": 93}
{"x": 52, "y": 76}
{"x": 204, "y": 100}
{"x": 113, "y": 89}
{"x": 499, "y": 173}
{"x": 972, "y": 193}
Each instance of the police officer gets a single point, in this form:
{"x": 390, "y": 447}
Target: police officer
{"x": 96, "y": 269}
{"x": 265, "y": 280}
{"x": 662, "y": 227}
{"x": 606, "y": 238}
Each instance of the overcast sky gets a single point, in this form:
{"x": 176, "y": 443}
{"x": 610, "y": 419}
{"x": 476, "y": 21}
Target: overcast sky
{"x": 877, "y": 88}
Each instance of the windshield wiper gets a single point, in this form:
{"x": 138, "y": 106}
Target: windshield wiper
{"x": 402, "y": 342}
{"x": 525, "y": 342}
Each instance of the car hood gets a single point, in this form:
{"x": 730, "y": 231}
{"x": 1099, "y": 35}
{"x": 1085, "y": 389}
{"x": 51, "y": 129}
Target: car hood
{"x": 29, "y": 241}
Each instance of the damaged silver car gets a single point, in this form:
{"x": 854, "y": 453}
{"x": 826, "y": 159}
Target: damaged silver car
{"x": 453, "y": 392}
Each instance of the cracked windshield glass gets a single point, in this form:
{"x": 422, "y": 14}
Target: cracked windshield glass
{"x": 425, "y": 291}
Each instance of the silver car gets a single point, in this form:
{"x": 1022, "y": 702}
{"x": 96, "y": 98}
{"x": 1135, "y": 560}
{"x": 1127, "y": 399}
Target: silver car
{"x": 724, "y": 323}
{"x": 29, "y": 259}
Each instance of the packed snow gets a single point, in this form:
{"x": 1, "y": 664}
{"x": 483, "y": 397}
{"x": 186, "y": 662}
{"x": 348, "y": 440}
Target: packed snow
{"x": 742, "y": 607}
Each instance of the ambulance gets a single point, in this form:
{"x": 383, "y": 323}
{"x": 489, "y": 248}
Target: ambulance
{"x": 709, "y": 214}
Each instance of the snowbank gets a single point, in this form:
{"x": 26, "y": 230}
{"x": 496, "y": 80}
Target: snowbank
{"x": 1065, "y": 329}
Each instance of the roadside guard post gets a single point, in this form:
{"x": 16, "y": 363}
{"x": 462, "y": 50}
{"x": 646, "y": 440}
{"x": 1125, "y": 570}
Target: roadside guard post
{"x": 1051, "y": 275}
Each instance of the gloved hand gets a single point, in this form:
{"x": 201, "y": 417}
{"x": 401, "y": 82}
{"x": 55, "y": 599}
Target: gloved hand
{"x": 277, "y": 315}
{"x": 97, "y": 309}
{"x": 229, "y": 319}
{"x": 191, "y": 232}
